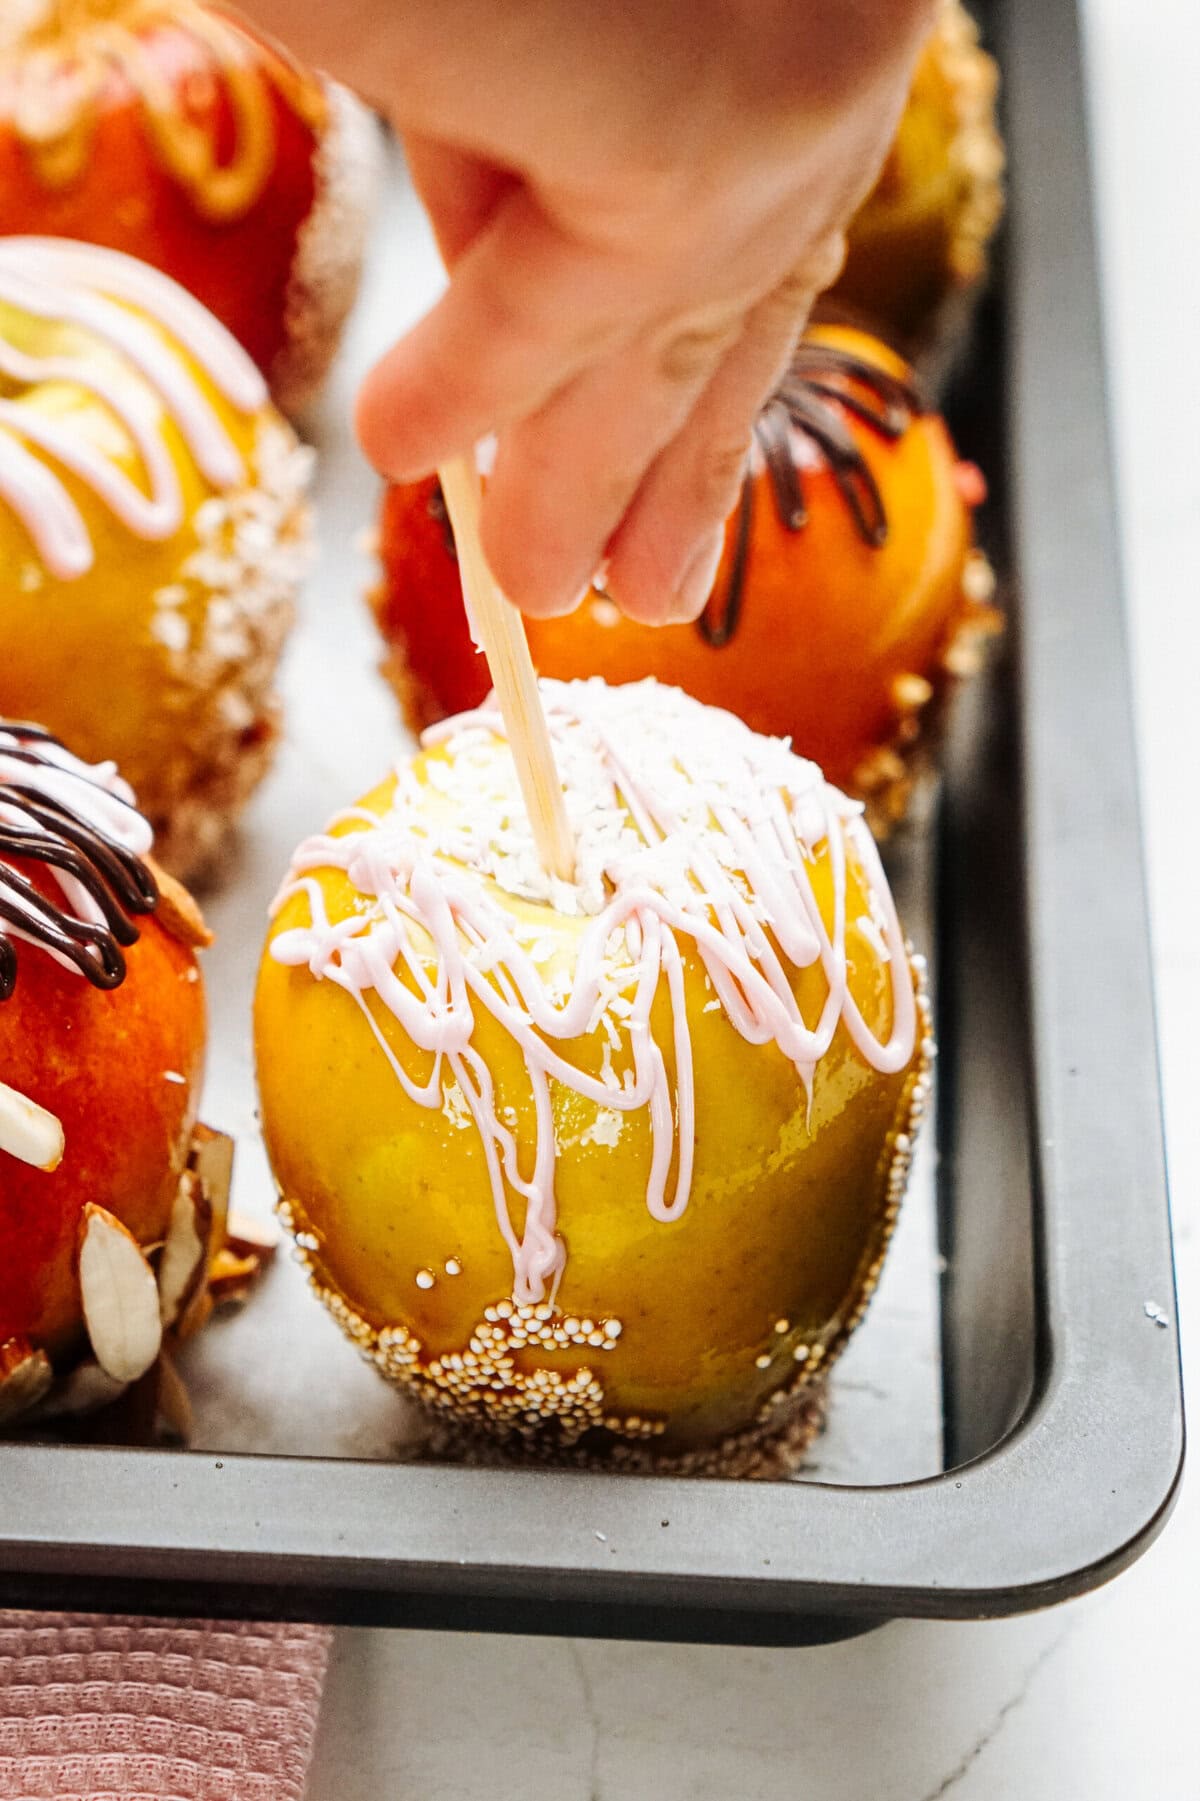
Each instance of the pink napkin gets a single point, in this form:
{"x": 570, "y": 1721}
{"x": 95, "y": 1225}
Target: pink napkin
{"x": 94, "y": 1708}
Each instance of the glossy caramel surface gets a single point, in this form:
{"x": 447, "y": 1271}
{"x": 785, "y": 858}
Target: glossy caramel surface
{"x": 128, "y": 660}
{"x": 108, "y": 1065}
{"x": 716, "y": 1311}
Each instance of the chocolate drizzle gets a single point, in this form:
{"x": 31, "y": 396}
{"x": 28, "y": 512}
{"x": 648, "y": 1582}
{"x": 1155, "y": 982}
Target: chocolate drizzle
{"x": 37, "y": 826}
{"x": 822, "y": 385}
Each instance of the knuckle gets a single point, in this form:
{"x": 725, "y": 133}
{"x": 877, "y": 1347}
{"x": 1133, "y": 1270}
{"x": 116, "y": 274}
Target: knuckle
{"x": 688, "y": 351}
{"x": 794, "y": 293}
{"x": 718, "y": 474}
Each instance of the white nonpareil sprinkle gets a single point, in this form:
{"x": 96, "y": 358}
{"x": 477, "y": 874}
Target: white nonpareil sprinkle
{"x": 669, "y": 741}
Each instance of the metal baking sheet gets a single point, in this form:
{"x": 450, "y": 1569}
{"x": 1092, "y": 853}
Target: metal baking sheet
{"x": 1013, "y": 1445}
{"x": 281, "y": 1377}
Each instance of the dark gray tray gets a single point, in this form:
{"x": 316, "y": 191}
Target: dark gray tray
{"x": 1063, "y": 1424}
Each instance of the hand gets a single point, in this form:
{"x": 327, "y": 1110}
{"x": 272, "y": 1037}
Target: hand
{"x": 638, "y": 201}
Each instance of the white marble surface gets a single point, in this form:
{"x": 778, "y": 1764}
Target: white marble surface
{"x": 1095, "y": 1701}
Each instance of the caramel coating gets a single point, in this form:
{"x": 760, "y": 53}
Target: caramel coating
{"x": 122, "y": 1071}
{"x": 162, "y": 655}
{"x": 830, "y": 622}
{"x": 842, "y": 644}
{"x": 682, "y": 1333}
{"x": 920, "y": 239}
{"x": 167, "y": 130}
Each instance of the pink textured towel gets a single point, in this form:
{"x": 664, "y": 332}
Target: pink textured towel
{"x": 94, "y": 1708}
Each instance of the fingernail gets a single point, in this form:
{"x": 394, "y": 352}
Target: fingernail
{"x": 687, "y": 602}
{"x": 557, "y": 608}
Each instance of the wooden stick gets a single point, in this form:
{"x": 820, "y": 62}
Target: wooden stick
{"x": 500, "y": 634}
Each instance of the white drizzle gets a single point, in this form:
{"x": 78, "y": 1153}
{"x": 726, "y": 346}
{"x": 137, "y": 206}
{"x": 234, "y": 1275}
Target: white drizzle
{"x": 77, "y": 284}
{"x": 689, "y": 827}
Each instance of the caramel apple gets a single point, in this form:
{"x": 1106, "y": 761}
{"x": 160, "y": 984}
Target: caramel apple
{"x": 603, "y": 1168}
{"x": 153, "y": 534}
{"x": 168, "y": 130}
{"x": 112, "y": 1198}
{"x": 917, "y": 248}
{"x": 848, "y": 596}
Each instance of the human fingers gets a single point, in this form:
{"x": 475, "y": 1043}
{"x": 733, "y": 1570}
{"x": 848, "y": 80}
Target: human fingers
{"x": 664, "y": 556}
{"x": 564, "y": 476}
{"x": 528, "y": 308}
{"x": 459, "y": 191}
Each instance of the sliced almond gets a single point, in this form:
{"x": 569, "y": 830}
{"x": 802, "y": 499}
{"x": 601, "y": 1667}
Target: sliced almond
{"x": 251, "y": 1237}
{"x": 979, "y": 582}
{"x": 28, "y": 1131}
{"x": 120, "y": 1296}
{"x": 184, "y": 1260}
{"x": 211, "y": 1162}
{"x": 878, "y": 769}
{"x": 173, "y": 1408}
{"x": 249, "y": 1246}
{"x": 13, "y": 1353}
{"x": 911, "y": 692}
{"x": 25, "y": 1375}
{"x": 963, "y": 658}
{"x": 176, "y": 911}
{"x": 85, "y": 1390}
{"x": 212, "y": 1159}
{"x": 198, "y": 1313}
{"x": 231, "y": 1276}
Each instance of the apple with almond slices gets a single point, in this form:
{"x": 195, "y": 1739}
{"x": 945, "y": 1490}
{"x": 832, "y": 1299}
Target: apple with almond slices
{"x": 112, "y": 1197}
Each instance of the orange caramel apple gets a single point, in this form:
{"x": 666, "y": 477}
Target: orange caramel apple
{"x": 431, "y": 661}
{"x": 121, "y": 1071}
{"x": 102, "y": 1029}
{"x": 115, "y": 1241}
{"x": 172, "y": 132}
{"x": 848, "y": 594}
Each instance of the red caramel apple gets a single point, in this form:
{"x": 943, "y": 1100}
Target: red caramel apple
{"x": 111, "y": 1196}
{"x": 431, "y": 660}
{"x": 848, "y": 594}
{"x": 168, "y": 130}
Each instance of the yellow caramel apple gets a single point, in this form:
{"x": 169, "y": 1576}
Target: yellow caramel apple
{"x": 605, "y": 1166}
{"x": 917, "y": 249}
{"x": 152, "y": 533}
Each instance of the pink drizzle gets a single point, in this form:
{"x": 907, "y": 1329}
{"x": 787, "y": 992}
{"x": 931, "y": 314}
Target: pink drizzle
{"x": 689, "y": 828}
{"x": 62, "y": 281}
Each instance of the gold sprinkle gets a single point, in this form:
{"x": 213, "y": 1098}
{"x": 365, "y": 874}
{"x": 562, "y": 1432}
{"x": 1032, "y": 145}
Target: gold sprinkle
{"x": 910, "y": 692}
